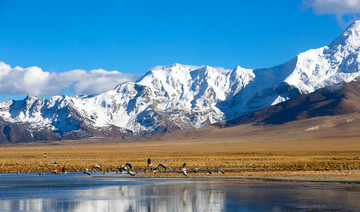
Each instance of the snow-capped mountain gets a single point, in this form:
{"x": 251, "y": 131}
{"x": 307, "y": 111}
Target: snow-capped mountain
{"x": 182, "y": 96}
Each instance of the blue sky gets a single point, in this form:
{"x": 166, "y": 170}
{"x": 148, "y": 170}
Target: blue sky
{"x": 130, "y": 37}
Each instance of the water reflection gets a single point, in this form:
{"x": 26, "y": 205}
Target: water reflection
{"x": 169, "y": 197}
{"x": 163, "y": 197}
{"x": 73, "y": 193}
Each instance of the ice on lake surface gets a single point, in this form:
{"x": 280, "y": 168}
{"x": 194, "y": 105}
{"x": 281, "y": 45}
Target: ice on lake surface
{"x": 77, "y": 192}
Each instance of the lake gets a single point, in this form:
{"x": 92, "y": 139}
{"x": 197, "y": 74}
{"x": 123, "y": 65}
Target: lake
{"x": 77, "y": 192}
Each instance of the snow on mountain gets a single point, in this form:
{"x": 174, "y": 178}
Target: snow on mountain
{"x": 181, "y": 96}
{"x": 329, "y": 65}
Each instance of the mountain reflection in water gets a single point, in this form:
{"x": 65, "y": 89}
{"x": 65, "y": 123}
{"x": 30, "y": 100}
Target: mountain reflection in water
{"x": 74, "y": 193}
{"x": 156, "y": 197}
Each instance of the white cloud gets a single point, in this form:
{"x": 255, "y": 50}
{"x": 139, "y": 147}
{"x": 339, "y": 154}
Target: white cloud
{"x": 35, "y": 81}
{"x": 344, "y": 10}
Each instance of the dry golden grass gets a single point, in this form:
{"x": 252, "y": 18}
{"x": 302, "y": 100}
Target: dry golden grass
{"x": 312, "y": 157}
{"x": 327, "y": 146}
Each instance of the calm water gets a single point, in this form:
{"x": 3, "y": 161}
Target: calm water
{"x": 76, "y": 192}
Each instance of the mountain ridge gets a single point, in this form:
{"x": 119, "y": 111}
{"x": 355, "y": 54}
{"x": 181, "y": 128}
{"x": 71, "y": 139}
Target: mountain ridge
{"x": 176, "y": 97}
{"x": 340, "y": 99}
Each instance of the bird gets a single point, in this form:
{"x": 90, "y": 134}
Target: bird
{"x": 64, "y": 170}
{"x": 209, "y": 172}
{"x": 183, "y": 166}
{"x": 44, "y": 155}
{"x": 183, "y": 170}
{"x": 96, "y": 166}
{"x": 131, "y": 173}
{"x": 54, "y": 172}
{"x": 129, "y": 165}
{"x": 55, "y": 163}
{"x": 196, "y": 170}
{"x": 149, "y": 162}
{"x": 221, "y": 171}
{"x": 162, "y": 165}
{"x": 86, "y": 171}
{"x": 124, "y": 168}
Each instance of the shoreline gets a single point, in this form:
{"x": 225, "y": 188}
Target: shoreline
{"x": 299, "y": 178}
{"x": 263, "y": 178}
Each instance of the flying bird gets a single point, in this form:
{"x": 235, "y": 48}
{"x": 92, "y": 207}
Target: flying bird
{"x": 196, "y": 170}
{"x": 129, "y": 165}
{"x": 183, "y": 166}
{"x": 149, "y": 162}
{"x": 64, "y": 170}
{"x": 123, "y": 168}
{"x": 131, "y": 173}
{"x": 86, "y": 171}
{"x": 96, "y": 166}
{"x": 183, "y": 170}
{"x": 162, "y": 165}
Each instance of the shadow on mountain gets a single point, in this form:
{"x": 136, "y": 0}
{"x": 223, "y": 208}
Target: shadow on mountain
{"x": 339, "y": 99}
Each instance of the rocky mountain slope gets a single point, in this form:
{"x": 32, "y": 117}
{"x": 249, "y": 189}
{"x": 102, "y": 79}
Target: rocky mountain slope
{"x": 177, "y": 97}
{"x": 340, "y": 99}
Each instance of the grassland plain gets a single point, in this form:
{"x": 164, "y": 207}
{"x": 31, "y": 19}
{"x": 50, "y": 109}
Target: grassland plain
{"x": 312, "y": 157}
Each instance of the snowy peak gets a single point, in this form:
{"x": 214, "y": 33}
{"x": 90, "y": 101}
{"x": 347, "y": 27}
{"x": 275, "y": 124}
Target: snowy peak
{"x": 339, "y": 62}
{"x": 183, "y": 96}
{"x": 184, "y": 79}
{"x": 350, "y": 37}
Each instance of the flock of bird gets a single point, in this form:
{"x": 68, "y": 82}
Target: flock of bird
{"x": 128, "y": 169}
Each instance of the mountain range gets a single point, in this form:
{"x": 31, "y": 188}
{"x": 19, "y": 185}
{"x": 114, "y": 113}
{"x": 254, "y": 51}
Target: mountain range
{"x": 178, "y": 97}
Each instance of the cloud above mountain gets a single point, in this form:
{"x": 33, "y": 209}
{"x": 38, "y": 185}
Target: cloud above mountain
{"x": 35, "y": 81}
{"x": 344, "y": 10}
